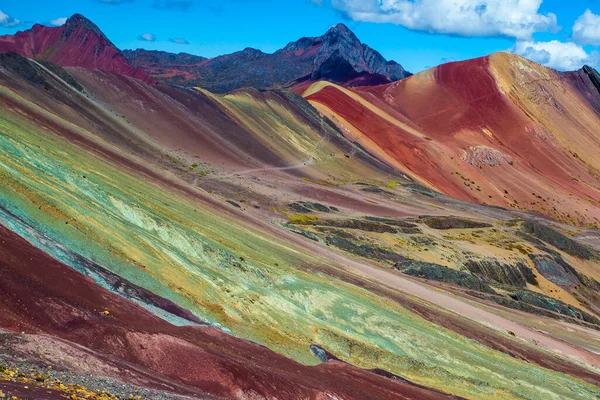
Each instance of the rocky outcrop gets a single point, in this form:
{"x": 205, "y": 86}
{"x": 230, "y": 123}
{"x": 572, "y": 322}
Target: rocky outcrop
{"x": 548, "y": 303}
{"x": 555, "y": 270}
{"x": 364, "y": 250}
{"x": 370, "y": 224}
{"x": 404, "y": 226}
{"x": 439, "y": 273}
{"x": 480, "y": 156}
{"x": 518, "y": 275}
{"x": 587, "y": 82}
{"x": 537, "y": 304}
{"x": 306, "y": 207}
{"x": 558, "y": 240}
{"x": 78, "y": 43}
{"x": 445, "y": 223}
{"x": 338, "y": 56}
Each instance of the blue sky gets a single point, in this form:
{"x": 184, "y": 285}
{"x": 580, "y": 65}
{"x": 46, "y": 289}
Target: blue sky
{"x": 416, "y": 33}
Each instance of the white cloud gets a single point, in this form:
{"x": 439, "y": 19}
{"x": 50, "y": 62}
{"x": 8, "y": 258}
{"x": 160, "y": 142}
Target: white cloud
{"x": 7, "y": 21}
{"x": 511, "y": 18}
{"x": 58, "y": 21}
{"x": 586, "y": 29}
{"x": 564, "y": 56}
{"x": 147, "y": 37}
{"x": 179, "y": 41}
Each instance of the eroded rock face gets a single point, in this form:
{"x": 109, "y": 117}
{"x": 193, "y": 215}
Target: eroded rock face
{"x": 558, "y": 240}
{"x": 306, "y": 207}
{"x": 537, "y": 304}
{"x": 518, "y": 275}
{"x": 551, "y": 304}
{"x": 479, "y": 156}
{"x": 440, "y": 273}
{"x": 366, "y": 251}
{"x": 451, "y": 222}
{"x": 587, "y": 81}
{"x": 362, "y": 225}
{"x": 559, "y": 273}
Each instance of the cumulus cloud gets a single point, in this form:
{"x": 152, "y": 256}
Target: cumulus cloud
{"x": 564, "y": 56}
{"x": 586, "y": 29}
{"x": 58, "y": 21}
{"x": 147, "y": 37}
{"x": 179, "y": 41}
{"x": 7, "y": 21}
{"x": 510, "y": 18}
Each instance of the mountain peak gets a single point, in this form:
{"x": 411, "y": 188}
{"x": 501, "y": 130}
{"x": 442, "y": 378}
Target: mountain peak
{"x": 77, "y": 43}
{"x": 343, "y": 57}
{"x": 77, "y": 22}
{"x": 342, "y": 28}
{"x": 337, "y": 56}
{"x": 341, "y": 31}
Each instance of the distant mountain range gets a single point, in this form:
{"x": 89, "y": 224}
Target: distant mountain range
{"x": 338, "y": 56}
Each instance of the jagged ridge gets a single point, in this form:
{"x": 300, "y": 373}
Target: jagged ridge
{"x": 338, "y": 56}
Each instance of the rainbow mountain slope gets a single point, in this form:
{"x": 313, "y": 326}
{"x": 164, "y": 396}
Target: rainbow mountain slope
{"x": 241, "y": 245}
{"x": 499, "y": 130}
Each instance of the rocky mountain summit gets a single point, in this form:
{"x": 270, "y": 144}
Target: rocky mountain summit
{"x": 77, "y": 43}
{"x": 338, "y": 56}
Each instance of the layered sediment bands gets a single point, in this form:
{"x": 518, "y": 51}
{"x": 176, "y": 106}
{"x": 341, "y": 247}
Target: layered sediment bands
{"x": 539, "y": 306}
{"x": 518, "y": 275}
{"x": 558, "y": 272}
{"x": 177, "y": 200}
{"x": 499, "y": 130}
{"x": 58, "y": 301}
{"x": 445, "y": 223}
{"x": 230, "y": 272}
{"x": 558, "y": 240}
{"x": 440, "y": 273}
{"x": 554, "y": 305}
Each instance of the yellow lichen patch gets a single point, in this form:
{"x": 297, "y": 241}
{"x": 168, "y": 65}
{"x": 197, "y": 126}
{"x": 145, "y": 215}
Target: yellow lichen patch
{"x": 302, "y": 218}
{"x": 45, "y": 380}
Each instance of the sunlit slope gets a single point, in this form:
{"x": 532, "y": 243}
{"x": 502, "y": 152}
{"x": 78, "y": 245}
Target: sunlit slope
{"x": 499, "y": 130}
{"x": 223, "y": 269}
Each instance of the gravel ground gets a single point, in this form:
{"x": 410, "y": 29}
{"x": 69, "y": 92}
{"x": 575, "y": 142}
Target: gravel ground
{"x": 27, "y": 364}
